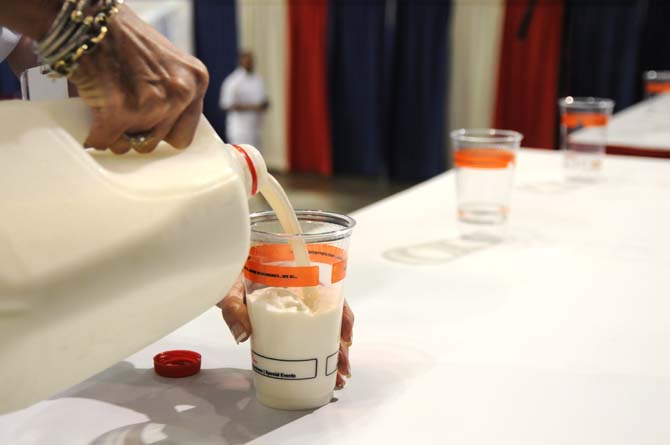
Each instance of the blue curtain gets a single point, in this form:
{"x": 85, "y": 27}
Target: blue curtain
{"x": 416, "y": 118}
{"x": 601, "y": 57}
{"x": 387, "y": 85}
{"x": 216, "y": 46}
{"x": 9, "y": 84}
{"x": 355, "y": 70}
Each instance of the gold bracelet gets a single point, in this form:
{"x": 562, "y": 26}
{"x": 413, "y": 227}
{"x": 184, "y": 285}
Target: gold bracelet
{"x": 56, "y": 27}
{"x": 73, "y": 34}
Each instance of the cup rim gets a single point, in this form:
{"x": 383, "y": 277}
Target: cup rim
{"x": 586, "y": 102}
{"x": 485, "y": 135}
{"x": 656, "y": 76}
{"x": 345, "y": 222}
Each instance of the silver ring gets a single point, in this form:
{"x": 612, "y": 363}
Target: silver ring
{"x": 138, "y": 140}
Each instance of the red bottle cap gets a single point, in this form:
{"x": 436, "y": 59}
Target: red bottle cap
{"x": 178, "y": 363}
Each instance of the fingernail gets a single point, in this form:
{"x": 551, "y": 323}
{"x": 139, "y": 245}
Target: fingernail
{"x": 239, "y": 333}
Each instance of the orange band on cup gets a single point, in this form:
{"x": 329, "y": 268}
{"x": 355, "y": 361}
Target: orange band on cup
{"x": 339, "y": 272}
{"x": 281, "y": 276}
{"x": 574, "y": 120}
{"x": 658, "y": 87}
{"x": 258, "y": 269}
{"x": 483, "y": 158}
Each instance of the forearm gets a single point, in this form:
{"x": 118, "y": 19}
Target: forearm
{"x": 29, "y": 17}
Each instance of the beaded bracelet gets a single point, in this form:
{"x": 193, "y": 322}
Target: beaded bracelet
{"x": 73, "y": 34}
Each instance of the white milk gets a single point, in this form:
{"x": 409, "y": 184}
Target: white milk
{"x": 296, "y": 331}
{"x": 274, "y": 194}
{"x": 294, "y": 349}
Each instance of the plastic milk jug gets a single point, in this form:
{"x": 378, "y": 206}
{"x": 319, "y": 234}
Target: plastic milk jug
{"x": 102, "y": 254}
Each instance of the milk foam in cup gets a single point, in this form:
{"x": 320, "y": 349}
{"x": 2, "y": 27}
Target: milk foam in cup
{"x": 296, "y": 309}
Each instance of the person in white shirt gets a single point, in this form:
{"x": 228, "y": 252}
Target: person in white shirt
{"x": 245, "y": 102}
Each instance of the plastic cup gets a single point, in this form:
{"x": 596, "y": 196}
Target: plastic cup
{"x": 484, "y": 160}
{"x": 656, "y": 82}
{"x": 657, "y": 86}
{"x": 296, "y": 311}
{"x": 584, "y": 123}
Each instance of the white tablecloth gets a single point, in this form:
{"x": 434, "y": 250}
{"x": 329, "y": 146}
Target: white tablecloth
{"x": 560, "y": 335}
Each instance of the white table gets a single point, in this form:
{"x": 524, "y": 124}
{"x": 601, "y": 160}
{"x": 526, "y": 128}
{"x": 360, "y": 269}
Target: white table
{"x": 560, "y": 335}
{"x": 640, "y": 130}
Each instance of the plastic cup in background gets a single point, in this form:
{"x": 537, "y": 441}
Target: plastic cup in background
{"x": 484, "y": 160}
{"x": 294, "y": 345}
{"x": 584, "y": 123}
{"x": 656, "y": 82}
{"x": 657, "y": 86}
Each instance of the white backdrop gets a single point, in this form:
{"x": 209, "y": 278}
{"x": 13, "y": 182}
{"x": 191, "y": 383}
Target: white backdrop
{"x": 173, "y": 18}
{"x": 476, "y": 28}
{"x": 262, "y": 28}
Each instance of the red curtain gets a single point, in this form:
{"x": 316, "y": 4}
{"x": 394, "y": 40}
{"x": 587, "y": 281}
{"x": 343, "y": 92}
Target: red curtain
{"x": 308, "y": 119}
{"x": 528, "y": 72}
